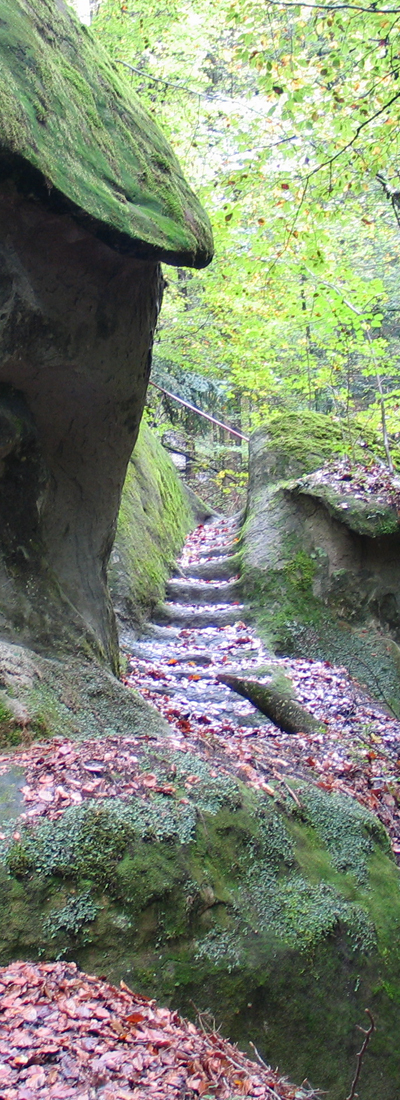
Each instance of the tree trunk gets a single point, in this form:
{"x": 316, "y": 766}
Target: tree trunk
{"x": 76, "y": 326}
{"x": 281, "y": 709}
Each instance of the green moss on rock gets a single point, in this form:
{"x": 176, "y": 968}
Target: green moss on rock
{"x": 299, "y": 443}
{"x": 153, "y": 520}
{"x": 74, "y": 698}
{"x": 281, "y": 920}
{"x": 117, "y": 173}
{"x": 321, "y": 580}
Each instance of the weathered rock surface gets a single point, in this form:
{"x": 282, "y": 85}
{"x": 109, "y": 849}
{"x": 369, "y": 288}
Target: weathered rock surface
{"x": 91, "y": 198}
{"x": 74, "y": 696}
{"x": 321, "y": 566}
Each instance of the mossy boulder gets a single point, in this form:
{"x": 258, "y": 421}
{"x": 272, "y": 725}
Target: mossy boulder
{"x": 91, "y": 199}
{"x": 154, "y": 517}
{"x": 291, "y": 444}
{"x": 281, "y": 919}
{"x": 322, "y": 579}
{"x": 117, "y": 174}
{"x": 42, "y": 698}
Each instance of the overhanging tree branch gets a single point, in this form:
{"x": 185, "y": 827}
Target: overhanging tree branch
{"x": 349, "y": 144}
{"x": 335, "y": 7}
{"x": 393, "y": 196}
{"x": 328, "y": 164}
{"x": 160, "y": 80}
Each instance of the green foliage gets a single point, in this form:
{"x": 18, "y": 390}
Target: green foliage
{"x": 286, "y": 118}
{"x": 72, "y": 918}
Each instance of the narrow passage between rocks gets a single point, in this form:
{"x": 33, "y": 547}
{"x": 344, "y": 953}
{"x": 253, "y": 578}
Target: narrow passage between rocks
{"x": 201, "y": 632}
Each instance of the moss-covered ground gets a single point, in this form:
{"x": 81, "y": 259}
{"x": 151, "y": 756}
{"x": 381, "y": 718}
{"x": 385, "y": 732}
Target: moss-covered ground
{"x": 277, "y": 915}
{"x": 282, "y": 919}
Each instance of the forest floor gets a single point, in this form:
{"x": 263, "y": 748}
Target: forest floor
{"x": 65, "y": 1034}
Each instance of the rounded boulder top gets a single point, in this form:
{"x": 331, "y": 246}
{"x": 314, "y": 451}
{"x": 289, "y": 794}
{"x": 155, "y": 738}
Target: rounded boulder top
{"x": 73, "y": 135}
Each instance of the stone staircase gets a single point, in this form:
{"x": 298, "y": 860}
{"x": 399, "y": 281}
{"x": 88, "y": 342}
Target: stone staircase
{"x": 200, "y": 630}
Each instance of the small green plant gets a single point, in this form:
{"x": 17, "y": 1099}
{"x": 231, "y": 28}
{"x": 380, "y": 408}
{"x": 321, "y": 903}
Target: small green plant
{"x": 73, "y": 917}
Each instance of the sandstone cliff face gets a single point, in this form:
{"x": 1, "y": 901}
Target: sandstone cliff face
{"x": 91, "y": 198}
{"x": 320, "y": 561}
{"x": 77, "y": 320}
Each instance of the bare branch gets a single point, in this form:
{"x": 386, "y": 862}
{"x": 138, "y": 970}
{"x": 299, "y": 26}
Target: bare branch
{"x": 361, "y": 1053}
{"x": 158, "y": 79}
{"x": 393, "y": 196}
{"x": 352, "y": 141}
{"x": 335, "y": 7}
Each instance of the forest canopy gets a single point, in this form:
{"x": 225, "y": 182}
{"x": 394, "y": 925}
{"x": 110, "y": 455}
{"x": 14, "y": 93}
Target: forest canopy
{"x": 286, "y": 120}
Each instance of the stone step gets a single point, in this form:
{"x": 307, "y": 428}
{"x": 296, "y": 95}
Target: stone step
{"x": 223, "y": 568}
{"x": 196, "y": 592}
{"x": 193, "y": 617}
{"x": 214, "y": 551}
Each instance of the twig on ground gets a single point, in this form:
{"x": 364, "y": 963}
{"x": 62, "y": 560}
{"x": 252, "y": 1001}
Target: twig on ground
{"x": 206, "y": 1021}
{"x": 367, "y": 1032}
{"x": 258, "y": 1055}
{"x": 292, "y": 793}
{"x": 264, "y": 1064}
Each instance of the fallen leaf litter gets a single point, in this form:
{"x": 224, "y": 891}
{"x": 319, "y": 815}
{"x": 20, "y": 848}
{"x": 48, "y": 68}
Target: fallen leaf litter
{"x": 66, "y": 1034}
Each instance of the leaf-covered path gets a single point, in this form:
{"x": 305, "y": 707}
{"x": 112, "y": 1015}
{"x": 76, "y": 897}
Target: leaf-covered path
{"x": 202, "y": 633}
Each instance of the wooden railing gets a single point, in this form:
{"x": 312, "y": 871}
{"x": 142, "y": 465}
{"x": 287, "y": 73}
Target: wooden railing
{"x": 200, "y": 412}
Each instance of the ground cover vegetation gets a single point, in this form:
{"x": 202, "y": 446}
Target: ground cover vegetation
{"x": 286, "y": 118}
